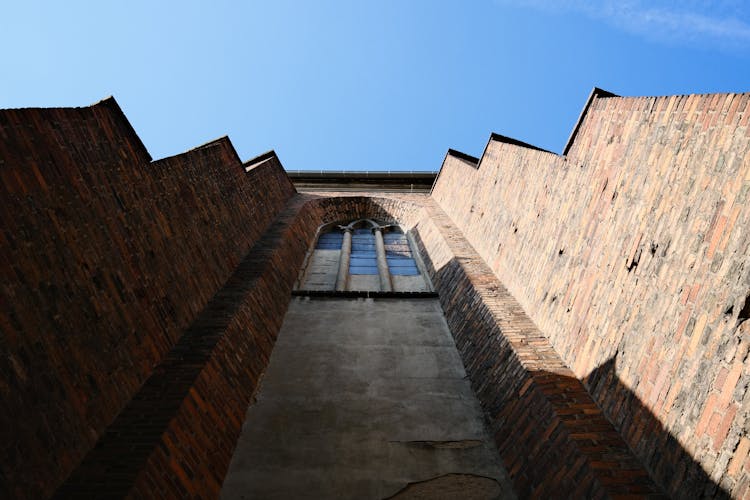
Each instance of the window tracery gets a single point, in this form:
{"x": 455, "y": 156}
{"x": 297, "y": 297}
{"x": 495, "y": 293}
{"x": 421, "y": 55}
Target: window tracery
{"x": 363, "y": 255}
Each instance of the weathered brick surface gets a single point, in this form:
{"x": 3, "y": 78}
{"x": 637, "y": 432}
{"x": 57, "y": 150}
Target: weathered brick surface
{"x": 631, "y": 255}
{"x": 175, "y": 435}
{"x": 106, "y": 258}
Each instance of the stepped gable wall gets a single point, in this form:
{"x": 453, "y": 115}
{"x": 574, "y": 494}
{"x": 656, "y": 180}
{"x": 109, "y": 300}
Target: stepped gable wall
{"x": 631, "y": 255}
{"x": 106, "y": 258}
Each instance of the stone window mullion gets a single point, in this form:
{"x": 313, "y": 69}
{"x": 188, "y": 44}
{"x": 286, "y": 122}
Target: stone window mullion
{"x": 383, "y": 272}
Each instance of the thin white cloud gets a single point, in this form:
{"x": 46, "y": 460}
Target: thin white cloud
{"x": 720, "y": 23}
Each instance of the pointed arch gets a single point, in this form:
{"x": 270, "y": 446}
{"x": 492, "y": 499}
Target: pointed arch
{"x": 370, "y": 251}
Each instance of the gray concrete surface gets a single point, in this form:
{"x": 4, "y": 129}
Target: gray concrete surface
{"x": 410, "y": 283}
{"x": 322, "y": 270}
{"x": 367, "y": 399}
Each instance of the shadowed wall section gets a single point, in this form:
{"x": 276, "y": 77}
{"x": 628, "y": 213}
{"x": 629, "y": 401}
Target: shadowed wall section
{"x": 176, "y": 435}
{"x": 107, "y": 258}
{"x": 635, "y": 245}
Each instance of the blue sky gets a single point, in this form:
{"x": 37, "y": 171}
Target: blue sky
{"x": 386, "y": 85}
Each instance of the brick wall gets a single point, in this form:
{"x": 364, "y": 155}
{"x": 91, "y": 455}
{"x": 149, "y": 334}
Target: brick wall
{"x": 631, "y": 255}
{"x": 175, "y": 433}
{"x": 106, "y": 259}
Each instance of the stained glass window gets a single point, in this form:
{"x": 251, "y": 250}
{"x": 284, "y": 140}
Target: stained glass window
{"x": 330, "y": 241}
{"x": 363, "y": 259}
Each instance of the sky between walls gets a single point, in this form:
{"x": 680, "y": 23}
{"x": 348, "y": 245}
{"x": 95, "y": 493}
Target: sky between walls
{"x": 364, "y": 85}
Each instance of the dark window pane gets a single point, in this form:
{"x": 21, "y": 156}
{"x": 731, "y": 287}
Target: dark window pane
{"x": 363, "y": 259}
{"x": 398, "y": 255}
{"x": 363, "y": 270}
{"x": 330, "y": 241}
{"x": 396, "y": 262}
{"x": 394, "y": 238}
{"x": 404, "y": 271}
{"x": 364, "y": 253}
{"x": 359, "y": 262}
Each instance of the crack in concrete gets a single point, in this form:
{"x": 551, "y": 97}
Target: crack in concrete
{"x": 459, "y": 444}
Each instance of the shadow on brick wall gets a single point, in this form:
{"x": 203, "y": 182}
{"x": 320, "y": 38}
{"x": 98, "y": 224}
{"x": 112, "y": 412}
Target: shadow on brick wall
{"x": 554, "y": 437}
{"x": 660, "y": 452}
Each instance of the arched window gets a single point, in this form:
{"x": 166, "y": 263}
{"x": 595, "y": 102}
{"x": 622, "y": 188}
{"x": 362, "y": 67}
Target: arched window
{"x": 363, "y": 255}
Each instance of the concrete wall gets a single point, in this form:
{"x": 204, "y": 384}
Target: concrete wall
{"x": 409, "y": 284}
{"x": 107, "y": 258}
{"x": 631, "y": 255}
{"x": 322, "y": 268}
{"x": 361, "y": 398}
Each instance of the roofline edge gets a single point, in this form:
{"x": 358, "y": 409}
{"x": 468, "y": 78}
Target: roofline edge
{"x": 595, "y": 93}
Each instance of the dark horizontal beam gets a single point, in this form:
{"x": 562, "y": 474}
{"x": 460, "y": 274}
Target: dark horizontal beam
{"x": 358, "y": 175}
{"x": 314, "y": 180}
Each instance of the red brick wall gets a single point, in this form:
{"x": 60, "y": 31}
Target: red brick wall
{"x": 175, "y": 438}
{"x": 106, "y": 259}
{"x": 631, "y": 255}
{"x": 194, "y": 453}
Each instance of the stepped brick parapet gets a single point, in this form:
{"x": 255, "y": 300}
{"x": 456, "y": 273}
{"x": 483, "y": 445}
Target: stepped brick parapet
{"x": 630, "y": 253}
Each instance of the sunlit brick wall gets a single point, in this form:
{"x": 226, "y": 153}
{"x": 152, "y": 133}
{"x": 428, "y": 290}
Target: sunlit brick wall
{"x": 632, "y": 256}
